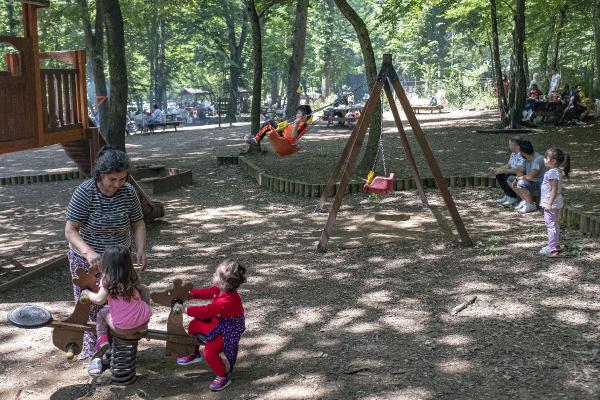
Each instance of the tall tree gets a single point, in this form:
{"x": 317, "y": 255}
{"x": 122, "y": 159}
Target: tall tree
{"x": 94, "y": 45}
{"x": 236, "y": 47}
{"x": 117, "y": 68}
{"x": 518, "y": 83}
{"x": 371, "y": 72}
{"x": 258, "y": 65}
{"x": 596, "y": 25}
{"x": 12, "y": 21}
{"x": 297, "y": 59}
{"x": 326, "y": 79}
{"x": 562, "y": 19}
{"x": 502, "y": 104}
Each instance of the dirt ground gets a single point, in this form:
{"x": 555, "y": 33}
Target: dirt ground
{"x": 369, "y": 319}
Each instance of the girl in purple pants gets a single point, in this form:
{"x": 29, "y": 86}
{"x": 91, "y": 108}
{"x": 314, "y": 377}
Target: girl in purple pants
{"x": 551, "y": 196}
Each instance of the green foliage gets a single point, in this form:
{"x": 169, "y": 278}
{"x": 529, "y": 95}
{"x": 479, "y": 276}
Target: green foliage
{"x": 487, "y": 246}
{"x": 576, "y": 249}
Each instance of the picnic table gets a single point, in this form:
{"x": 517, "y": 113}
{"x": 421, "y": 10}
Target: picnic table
{"x": 337, "y": 114}
{"x": 426, "y": 107}
{"x": 548, "y": 109}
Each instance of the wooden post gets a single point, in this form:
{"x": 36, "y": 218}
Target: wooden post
{"x": 359, "y": 133}
{"x": 340, "y": 162}
{"x": 433, "y": 166}
{"x": 407, "y": 150}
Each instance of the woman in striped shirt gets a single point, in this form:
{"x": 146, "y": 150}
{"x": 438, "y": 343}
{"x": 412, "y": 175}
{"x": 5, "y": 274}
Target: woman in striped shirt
{"x": 104, "y": 211}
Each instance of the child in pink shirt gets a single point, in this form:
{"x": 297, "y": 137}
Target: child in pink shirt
{"x": 128, "y": 309}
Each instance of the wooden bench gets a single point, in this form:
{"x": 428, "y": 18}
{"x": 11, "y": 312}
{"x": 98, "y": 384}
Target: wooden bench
{"x": 418, "y": 109}
{"x": 151, "y": 126}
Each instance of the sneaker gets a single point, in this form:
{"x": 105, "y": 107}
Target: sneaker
{"x": 510, "y": 201}
{"x": 251, "y": 140}
{"x": 502, "y": 199}
{"x": 189, "y": 360}
{"x": 546, "y": 252}
{"x": 94, "y": 368}
{"x": 528, "y": 207}
{"x": 520, "y": 205}
{"x": 102, "y": 344}
{"x": 219, "y": 383}
{"x": 580, "y": 123}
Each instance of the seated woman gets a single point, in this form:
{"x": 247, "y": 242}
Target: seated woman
{"x": 530, "y": 102}
{"x": 291, "y": 132}
{"x": 507, "y": 172}
{"x": 351, "y": 118}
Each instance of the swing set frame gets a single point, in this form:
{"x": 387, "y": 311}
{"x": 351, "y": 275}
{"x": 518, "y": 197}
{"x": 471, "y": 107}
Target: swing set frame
{"x": 387, "y": 79}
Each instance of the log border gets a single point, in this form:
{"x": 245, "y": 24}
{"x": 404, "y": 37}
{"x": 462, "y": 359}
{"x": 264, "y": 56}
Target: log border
{"x": 572, "y": 218}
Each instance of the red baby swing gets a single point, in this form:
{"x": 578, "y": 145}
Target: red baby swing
{"x": 286, "y": 145}
{"x": 379, "y": 184}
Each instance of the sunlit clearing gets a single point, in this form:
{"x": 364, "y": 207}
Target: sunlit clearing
{"x": 344, "y": 318}
{"x": 572, "y": 317}
{"x": 455, "y": 366}
{"x": 298, "y": 391}
{"x": 371, "y": 299}
{"x": 266, "y": 345}
{"x": 406, "y": 321}
{"x": 455, "y": 340}
{"x": 409, "y": 393}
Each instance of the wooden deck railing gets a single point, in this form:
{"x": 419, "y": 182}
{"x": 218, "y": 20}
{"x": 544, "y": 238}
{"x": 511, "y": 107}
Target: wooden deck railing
{"x": 60, "y": 99}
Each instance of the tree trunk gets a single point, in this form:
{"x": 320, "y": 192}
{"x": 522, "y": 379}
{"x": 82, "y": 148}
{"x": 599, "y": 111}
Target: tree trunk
{"x": 94, "y": 45}
{"x": 258, "y": 66}
{"x": 117, "y": 67}
{"x": 561, "y": 23}
{"x": 274, "y": 87}
{"x": 371, "y": 72}
{"x": 235, "y": 56}
{"x": 161, "y": 70}
{"x": 502, "y": 103}
{"x": 596, "y": 26}
{"x": 545, "y": 48}
{"x": 12, "y": 21}
{"x": 327, "y": 53}
{"x": 297, "y": 59}
{"x": 518, "y": 84}
{"x": 153, "y": 53}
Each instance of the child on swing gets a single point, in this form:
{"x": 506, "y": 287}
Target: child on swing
{"x": 128, "y": 309}
{"x": 219, "y": 324}
{"x": 551, "y": 197}
{"x": 291, "y": 132}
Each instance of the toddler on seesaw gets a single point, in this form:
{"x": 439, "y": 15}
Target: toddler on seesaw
{"x": 128, "y": 304}
{"x": 219, "y": 324}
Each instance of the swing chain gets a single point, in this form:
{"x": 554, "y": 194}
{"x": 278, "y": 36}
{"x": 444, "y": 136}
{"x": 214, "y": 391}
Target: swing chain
{"x": 380, "y": 147}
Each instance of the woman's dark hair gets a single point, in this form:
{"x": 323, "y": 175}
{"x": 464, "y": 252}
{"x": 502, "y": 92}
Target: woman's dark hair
{"x": 304, "y": 109}
{"x": 118, "y": 276}
{"x": 562, "y": 159}
{"x": 229, "y": 275}
{"x": 110, "y": 160}
{"x": 526, "y": 147}
{"x": 516, "y": 140}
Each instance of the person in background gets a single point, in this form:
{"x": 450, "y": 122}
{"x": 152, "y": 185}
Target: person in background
{"x": 554, "y": 81}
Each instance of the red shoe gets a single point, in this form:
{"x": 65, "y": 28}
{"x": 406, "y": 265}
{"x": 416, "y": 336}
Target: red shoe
{"x": 188, "y": 360}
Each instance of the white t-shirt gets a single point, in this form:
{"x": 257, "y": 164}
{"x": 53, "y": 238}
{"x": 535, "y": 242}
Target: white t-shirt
{"x": 554, "y": 81}
{"x": 546, "y": 188}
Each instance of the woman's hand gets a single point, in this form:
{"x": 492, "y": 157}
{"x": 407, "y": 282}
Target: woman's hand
{"x": 141, "y": 260}
{"x": 94, "y": 259}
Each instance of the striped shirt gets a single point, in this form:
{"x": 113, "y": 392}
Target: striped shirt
{"x": 105, "y": 221}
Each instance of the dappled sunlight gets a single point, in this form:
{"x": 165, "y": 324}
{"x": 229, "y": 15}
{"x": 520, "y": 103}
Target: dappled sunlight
{"x": 344, "y": 318}
{"x": 311, "y": 389}
{"x": 409, "y": 393}
{"x": 584, "y": 378}
{"x": 455, "y": 366}
{"x": 455, "y": 340}
{"x": 266, "y": 345}
{"x": 572, "y": 317}
{"x": 406, "y": 321}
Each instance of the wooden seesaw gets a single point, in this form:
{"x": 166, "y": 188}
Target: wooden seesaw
{"x": 67, "y": 334}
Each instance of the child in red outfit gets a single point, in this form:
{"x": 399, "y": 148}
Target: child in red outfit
{"x": 219, "y": 324}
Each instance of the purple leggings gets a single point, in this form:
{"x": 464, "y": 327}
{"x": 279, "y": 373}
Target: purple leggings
{"x": 551, "y": 221}
{"x": 89, "y": 339}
